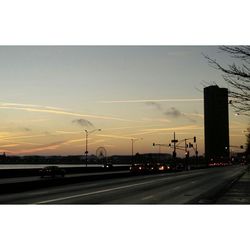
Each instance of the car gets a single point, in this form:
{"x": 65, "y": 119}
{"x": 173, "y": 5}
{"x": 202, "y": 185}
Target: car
{"x": 52, "y": 171}
{"x": 144, "y": 168}
{"x": 139, "y": 168}
{"x": 163, "y": 167}
{"x": 107, "y": 166}
{"x": 218, "y": 164}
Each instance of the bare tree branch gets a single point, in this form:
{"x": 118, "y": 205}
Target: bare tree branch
{"x": 237, "y": 76}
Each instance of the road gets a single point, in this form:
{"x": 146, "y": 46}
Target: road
{"x": 168, "y": 188}
{"x": 38, "y": 178}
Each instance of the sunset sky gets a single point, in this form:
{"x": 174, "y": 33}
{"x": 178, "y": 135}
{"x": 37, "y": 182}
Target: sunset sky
{"x": 50, "y": 95}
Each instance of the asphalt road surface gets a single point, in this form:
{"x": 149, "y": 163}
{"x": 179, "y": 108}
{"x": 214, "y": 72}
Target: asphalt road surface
{"x": 38, "y": 178}
{"x": 170, "y": 188}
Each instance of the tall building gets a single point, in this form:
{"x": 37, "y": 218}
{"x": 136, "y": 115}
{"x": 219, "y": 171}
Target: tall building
{"x": 216, "y": 123}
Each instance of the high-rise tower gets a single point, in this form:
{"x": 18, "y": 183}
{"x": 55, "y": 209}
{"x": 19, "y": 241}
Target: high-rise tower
{"x": 216, "y": 123}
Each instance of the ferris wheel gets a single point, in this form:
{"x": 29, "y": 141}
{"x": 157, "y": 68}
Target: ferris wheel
{"x": 101, "y": 153}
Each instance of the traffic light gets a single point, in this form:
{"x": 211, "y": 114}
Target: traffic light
{"x": 153, "y": 144}
{"x": 241, "y": 147}
{"x": 195, "y": 139}
{"x": 190, "y": 145}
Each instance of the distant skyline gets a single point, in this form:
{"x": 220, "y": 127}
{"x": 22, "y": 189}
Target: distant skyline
{"x": 51, "y": 94}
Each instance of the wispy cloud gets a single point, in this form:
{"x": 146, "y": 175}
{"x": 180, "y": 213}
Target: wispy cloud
{"x": 53, "y": 110}
{"x": 171, "y": 112}
{"x": 184, "y": 128}
{"x": 175, "y": 113}
{"x": 115, "y": 136}
{"x": 27, "y": 129}
{"x": 10, "y": 145}
{"x": 155, "y": 100}
{"x": 197, "y": 115}
{"x": 83, "y": 123}
{"x": 9, "y": 137}
{"x": 62, "y": 132}
{"x": 51, "y": 146}
{"x": 10, "y": 104}
{"x": 155, "y": 104}
{"x": 163, "y": 120}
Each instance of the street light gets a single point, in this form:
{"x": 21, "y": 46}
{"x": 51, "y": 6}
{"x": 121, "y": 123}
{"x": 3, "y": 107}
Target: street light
{"x": 86, "y": 146}
{"x": 133, "y": 140}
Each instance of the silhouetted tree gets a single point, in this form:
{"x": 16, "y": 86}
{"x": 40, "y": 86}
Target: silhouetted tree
{"x": 237, "y": 75}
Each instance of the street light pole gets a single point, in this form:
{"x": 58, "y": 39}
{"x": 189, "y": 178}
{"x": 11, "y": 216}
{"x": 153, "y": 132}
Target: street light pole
{"x": 132, "y": 157}
{"x": 86, "y": 145}
{"x": 132, "y": 153}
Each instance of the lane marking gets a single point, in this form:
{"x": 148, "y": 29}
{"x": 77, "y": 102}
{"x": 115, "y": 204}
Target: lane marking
{"x": 98, "y": 192}
{"x": 114, "y": 189}
{"x": 147, "y": 198}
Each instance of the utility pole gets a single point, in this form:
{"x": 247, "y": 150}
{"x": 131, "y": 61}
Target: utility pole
{"x": 174, "y": 141}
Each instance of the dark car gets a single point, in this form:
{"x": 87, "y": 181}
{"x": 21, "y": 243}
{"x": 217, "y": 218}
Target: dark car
{"x": 140, "y": 168}
{"x": 52, "y": 171}
{"x": 107, "y": 166}
{"x": 163, "y": 167}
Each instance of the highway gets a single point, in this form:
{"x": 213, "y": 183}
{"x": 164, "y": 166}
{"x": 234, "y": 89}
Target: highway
{"x": 198, "y": 186}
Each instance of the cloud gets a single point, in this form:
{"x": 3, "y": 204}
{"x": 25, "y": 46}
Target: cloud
{"x": 22, "y": 137}
{"x": 51, "y": 146}
{"x": 115, "y": 136}
{"x": 53, "y": 110}
{"x": 27, "y": 129}
{"x": 10, "y": 145}
{"x": 62, "y": 132}
{"x": 184, "y": 128}
{"x": 155, "y": 100}
{"x": 173, "y": 112}
{"x": 83, "y": 123}
{"x": 162, "y": 120}
{"x": 154, "y": 104}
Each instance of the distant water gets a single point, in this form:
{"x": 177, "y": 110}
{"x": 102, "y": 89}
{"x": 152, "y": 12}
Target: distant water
{"x": 29, "y": 166}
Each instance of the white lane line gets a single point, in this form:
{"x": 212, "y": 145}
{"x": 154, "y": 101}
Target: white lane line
{"x": 178, "y": 187}
{"x": 98, "y": 192}
{"x": 147, "y": 198}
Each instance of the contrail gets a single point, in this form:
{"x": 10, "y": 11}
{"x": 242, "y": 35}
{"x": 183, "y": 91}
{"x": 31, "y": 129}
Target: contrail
{"x": 154, "y": 100}
{"x": 11, "y": 104}
{"x": 61, "y": 112}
